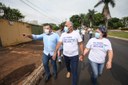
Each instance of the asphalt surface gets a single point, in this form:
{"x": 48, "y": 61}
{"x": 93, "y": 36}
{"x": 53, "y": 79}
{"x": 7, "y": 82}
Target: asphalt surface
{"x": 118, "y": 75}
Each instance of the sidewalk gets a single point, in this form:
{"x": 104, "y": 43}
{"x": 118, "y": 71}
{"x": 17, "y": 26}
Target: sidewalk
{"x": 118, "y": 38}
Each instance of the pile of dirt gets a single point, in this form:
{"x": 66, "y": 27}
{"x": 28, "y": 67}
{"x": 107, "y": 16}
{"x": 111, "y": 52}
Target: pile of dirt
{"x": 17, "y": 62}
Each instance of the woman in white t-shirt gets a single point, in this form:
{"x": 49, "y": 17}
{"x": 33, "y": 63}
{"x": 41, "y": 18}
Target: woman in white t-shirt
{"x": 98, "y": 47}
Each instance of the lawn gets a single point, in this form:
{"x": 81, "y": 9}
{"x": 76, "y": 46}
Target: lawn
{"x": 121, "y": 34}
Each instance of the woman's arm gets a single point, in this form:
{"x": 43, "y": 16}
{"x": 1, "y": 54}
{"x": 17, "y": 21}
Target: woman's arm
{"x": 86, "y": 50}
{"x": 110, "y": 57}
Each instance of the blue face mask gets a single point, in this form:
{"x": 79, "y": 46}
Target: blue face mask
{"x": 66, "y": 29}
{"x": 97, "y": 35}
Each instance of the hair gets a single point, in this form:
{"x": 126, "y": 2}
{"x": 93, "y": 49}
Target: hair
{"x": 103, "y": 30}
{"x": 104, "y": 34}
{"x": 70, "y": 23}
{"x": 47, "y": 24}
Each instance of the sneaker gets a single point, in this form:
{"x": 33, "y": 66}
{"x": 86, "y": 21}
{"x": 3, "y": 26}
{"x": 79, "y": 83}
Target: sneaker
{"x": 59, "y": 59}
{"x": 47, "y": 78}
{"x": 55, "y": 76}
{"x": 68, "y": 75}
{"x": 61, "y": 55}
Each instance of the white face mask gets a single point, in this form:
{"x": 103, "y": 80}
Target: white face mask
{"x": 97, "y": 35}
{"x": 46, "y": 31}
{"x": 66, "y": 29}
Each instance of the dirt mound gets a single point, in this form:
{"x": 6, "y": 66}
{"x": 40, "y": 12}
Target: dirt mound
{"x": 17, "y": 62}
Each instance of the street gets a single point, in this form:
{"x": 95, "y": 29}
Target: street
{"x": 118, "y": 75}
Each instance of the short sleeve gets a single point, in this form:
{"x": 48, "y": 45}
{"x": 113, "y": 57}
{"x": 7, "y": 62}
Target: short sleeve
{"x": 57, "y": 36}
{"x": 79, "y": 37}
{"x": 61, "y": 38}
{"x": 89, "y": 44}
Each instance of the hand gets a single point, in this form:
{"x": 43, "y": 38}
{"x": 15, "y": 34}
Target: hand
{"x": 27, "y": 36}
{"x": 54, "y": 56}
{"x": 24, "y": 35}
{"x": 81, "y": 58}
{"x": 109, "y": 65}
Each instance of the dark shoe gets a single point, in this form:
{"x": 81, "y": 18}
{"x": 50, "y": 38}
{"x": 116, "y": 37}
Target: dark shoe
{"x": 55, "y": 76}
{"x": 47, "y": 78}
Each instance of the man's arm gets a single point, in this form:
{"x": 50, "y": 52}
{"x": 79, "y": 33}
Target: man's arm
{"x": 81, "y": 47}
{"x": 81, "y": 51}
{"x": 34, "y": 37}
{"x": 56, "y": 50}
{"x": 28, "y": 36}
{"x": 58, "y": 46}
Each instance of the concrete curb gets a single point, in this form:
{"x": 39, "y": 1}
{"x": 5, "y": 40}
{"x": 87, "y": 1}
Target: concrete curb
{"x": 34, "y": 77}
{"x": 118, "y": 38}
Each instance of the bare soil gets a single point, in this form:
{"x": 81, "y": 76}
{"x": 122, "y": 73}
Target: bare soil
{"x": 17, "y": 62}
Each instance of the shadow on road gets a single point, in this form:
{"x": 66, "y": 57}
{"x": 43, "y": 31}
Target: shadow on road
{"x": 120, "y": 74}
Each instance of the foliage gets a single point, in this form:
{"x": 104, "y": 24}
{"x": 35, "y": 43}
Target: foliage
{"x": 90, "y": 15}
{"x": 115, "y": 23}
{"x": 125, "y": 21}
{"x": 61, "y": 25}
{"x": 55, "y": 27}
{"x": 105, "y": 10}
{"x": 11, "y": 14}
{"x": 98, "y": 19}
{"x": 76, "y": 19}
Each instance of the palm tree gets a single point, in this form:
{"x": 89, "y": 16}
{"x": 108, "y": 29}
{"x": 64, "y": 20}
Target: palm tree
{"x": 105, "y": 10}
{"x": 91, "y": 16}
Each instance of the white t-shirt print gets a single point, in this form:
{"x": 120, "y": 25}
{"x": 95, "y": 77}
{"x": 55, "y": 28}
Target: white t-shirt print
{"x": 98, "y": 49}
{"x": 70, "y": 43}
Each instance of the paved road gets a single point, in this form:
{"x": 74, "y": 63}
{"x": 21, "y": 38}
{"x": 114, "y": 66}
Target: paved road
{"x": 118, "y": 75}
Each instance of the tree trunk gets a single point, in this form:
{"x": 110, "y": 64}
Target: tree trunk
{"x": 90, "y": 24}
{"x": 106, "y": 24}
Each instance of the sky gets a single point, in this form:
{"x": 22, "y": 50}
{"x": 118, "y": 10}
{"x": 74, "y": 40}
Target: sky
{"x": 58, "y": 11}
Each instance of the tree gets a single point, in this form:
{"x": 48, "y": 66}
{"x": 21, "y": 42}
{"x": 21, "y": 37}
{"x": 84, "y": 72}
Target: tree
{"x": 105, "y": 10}
{"x": 91, "y": 16}
{"x": 11, "y": 14}
{"x": 98, "y": 19}
{"x": 61, "y": 25}
{"x": 125, "y": 21}
{"x": 76, "y": 19}
{"x": 55, "y": 27}
{"x": 115, "y": 23}
{"x": 84, "y": 19}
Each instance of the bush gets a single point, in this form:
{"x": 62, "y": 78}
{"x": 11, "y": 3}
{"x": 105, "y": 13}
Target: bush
{"x": 124, "y": 29}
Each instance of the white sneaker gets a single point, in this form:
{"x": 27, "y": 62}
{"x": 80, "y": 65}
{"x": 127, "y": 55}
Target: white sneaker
{"x": 68, "y": 75}
{"x": 59, "y": 59}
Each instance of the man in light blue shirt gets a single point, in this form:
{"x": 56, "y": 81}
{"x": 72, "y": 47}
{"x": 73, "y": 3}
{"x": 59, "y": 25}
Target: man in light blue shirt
{"x": 50, "y": 40}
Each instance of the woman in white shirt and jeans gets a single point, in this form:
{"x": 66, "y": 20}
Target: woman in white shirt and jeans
{"x": 98, "y": 47}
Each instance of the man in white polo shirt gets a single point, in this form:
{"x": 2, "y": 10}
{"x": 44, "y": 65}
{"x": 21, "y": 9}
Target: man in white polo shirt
{"x": 71, "y": 41}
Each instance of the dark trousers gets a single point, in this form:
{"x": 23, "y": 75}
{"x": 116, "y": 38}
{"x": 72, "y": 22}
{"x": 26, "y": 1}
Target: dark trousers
{"x": 72, "y": 66}
{"x": 90, "y": 35}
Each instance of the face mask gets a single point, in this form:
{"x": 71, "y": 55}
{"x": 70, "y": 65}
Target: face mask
{"x": 46, "y": 31}
{"x": 97, "y": 35}
{"x": 66, "y": 29}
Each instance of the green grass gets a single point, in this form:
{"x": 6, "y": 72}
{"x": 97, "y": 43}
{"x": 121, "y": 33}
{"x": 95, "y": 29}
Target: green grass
{"x": 118, "y": 34}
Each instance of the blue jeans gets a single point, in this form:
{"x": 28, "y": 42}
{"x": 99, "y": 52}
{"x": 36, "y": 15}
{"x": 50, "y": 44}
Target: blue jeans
{"x": 72, "y": 66}
{"x": 97, "y": 69}
{"x": 46, "y": 59}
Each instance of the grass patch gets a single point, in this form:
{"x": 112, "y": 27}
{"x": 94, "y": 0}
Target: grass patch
{"x": 118, "y": 34}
